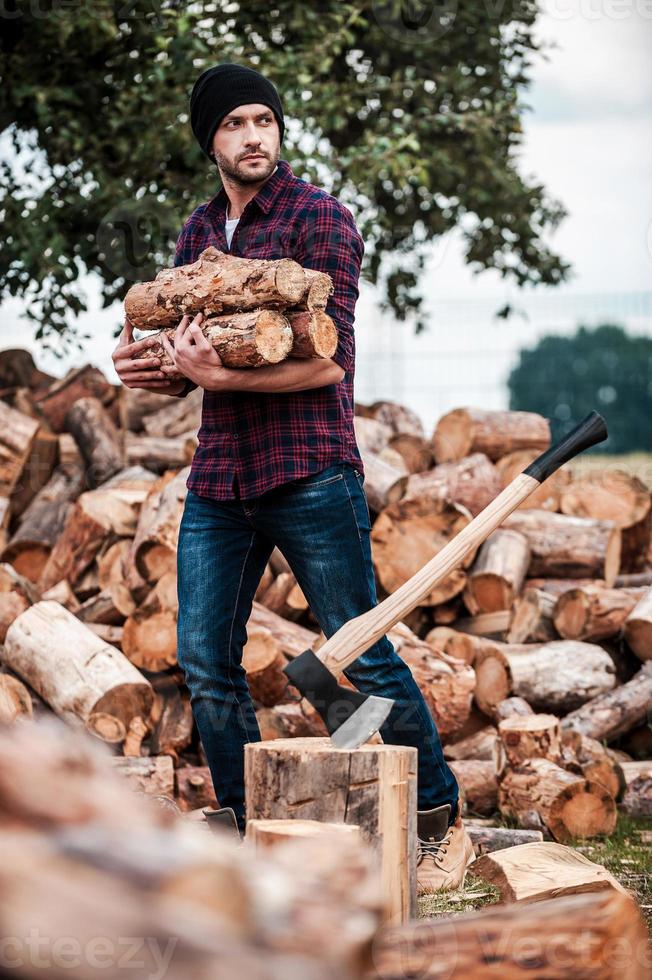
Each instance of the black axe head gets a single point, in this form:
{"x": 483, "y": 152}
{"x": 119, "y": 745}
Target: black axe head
{"x": 350, "y": 717}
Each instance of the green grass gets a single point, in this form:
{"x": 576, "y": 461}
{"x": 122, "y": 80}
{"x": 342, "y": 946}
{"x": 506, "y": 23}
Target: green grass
{"x": 627, "y": 854}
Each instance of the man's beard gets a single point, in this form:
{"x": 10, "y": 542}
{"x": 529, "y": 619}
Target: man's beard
{"x": 236, "y": 172}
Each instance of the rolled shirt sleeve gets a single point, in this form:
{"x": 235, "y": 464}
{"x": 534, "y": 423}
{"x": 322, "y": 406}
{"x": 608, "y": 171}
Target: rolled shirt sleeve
{"x": 330, "y": 242}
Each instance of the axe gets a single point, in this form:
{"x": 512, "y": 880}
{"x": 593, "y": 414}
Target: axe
{"x": 352, "y": 717}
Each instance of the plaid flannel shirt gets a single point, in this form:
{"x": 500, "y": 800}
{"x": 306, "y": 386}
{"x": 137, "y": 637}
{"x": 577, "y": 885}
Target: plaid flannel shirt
{"x": 251, "y": 442}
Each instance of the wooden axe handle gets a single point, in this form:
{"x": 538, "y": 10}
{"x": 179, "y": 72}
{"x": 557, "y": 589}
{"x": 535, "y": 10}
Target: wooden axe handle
{"x": 356, "y": 636}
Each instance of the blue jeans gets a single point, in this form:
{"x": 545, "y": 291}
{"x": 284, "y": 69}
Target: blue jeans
{"x": 321, "y": 525}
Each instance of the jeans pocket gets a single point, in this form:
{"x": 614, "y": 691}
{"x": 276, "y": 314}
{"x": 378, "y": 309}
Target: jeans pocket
{"x": 314, "y": 481}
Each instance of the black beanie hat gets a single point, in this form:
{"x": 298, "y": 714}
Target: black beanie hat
{"x": 221, "y": 89}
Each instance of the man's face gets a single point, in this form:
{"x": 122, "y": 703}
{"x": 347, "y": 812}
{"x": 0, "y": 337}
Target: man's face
{"x": 247, "y": 144}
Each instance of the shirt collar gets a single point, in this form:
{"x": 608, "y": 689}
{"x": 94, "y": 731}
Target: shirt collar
{"x": 266, "y": 195}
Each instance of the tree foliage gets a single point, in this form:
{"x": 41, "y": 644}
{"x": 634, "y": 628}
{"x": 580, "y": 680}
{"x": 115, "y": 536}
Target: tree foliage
{"x": 564, "y": 378}
{"x": 410, "y": 112}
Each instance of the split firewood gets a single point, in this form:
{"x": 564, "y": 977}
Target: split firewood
{"x": 87, "y": 585}
{"x": 414, "y": 450}
{"x": 17, "y": 593}
{"x": 69, "y": 454}
{"x": 15, "y": 700}
{"x": 594, "y": 612}
{"x": 154, "y": 549}
{"x": 215, "y": 283}
{"x": 373, "y": 786}
{"x": 84, "y": 382}
{"x": 481, "y": 745}
{"x": 37, "y": 470}
{"x": 638, "y": 627}
{"x": 447, "y": 684}
{"x": 471, "y": 430}
{"x": 498, "y": 572}
{"x": 243, "y": 340}
{"x": 478, "y": 785}
{"x": 493, "y": 625}
{"x": 72, "y": 670}
{"x": 314, "y": 334}
{"x": 573, "y": 546}
{"x": 149, "y": 637}
{"x": 42, "y": 522}
{"x": 637, "y": 798}
{"x": 96, "y": 518}
{"x": 535, "y": 871}
{"x": 160, "y": 454}
{"x": 152, "y": 775}
{"x": 319, "y": 286}
{"x": 567, "y": 804}
{"x": 471, "y": 482}
{"x": 384, "y": 483}
{"x": 194, "y": 788}
{"x": 108, "y": 607}
{"x": 616, "y": 712}
{"x": 407, "y": 534}
{"x": 443, "y": 614}
{"x": 525, "y": 737}
{"x": 18, "y": 433}
{"x": 531, "y": 617}
{"x": 488, "y": 839}
{"x": 588, "y": 756}
{"x": 637, "y": 545}
{"x": 557, "y": 676}
{"x": 64, "y": 595}
{"x": 178, "y": 417}
{"x": 263, "y": 661}
{"x": 545, "y": 497}
{"x": 99, "y": 440}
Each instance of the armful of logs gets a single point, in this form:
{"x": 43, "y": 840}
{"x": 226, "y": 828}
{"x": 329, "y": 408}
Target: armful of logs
{"x": 256, "y": 311}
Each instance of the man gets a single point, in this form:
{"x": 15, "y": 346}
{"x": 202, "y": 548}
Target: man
{"x": 278, "y": 464}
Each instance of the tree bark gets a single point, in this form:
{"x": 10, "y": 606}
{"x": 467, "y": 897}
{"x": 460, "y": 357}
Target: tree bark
{"x": 314, "y": 334}
{"x": 471, "y": 430}
{"x": 263, "y": 661}
{"x": 590, "y": 758}
{"x": 614, "y": 713}
{"x": 99, "y": 441}
{"x": 525, "y": 737}
{"x": 498, "y": 572}
{"x": 159, "y": 454}
{"x": 638, "y": 627}
{"x": 478, "y": 783}
{"x": 532, "y": 620}
{"x": 471, "y": 482}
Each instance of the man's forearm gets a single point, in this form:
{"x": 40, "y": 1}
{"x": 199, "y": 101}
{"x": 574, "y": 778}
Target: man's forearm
{"x": 293, "y": 374}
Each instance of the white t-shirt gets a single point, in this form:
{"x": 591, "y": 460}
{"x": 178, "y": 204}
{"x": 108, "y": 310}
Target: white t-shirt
{"x": 229, "y": 228}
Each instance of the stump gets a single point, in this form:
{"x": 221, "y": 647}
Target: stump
{"x": 373, "y": 787}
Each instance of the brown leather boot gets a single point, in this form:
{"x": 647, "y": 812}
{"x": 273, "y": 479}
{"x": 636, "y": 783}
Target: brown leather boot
{"x": 443, "y": 853}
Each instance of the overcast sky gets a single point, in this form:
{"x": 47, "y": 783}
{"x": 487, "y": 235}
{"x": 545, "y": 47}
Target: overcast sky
{"x": 588, "y": 138}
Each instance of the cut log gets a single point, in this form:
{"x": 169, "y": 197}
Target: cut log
{"x": 243, "y": 340}
{"x": 545, "y": 497}
{"x": 159, "y": 454}
{"x": 498, "y": 572}
{"x": 108, "y": 728}
{"x": 64, "y": 595}
{"x": 171, "y": 719}
{"x": 400, "y": 418}
{"x": 556, "y": 586}
{"x": 384, "y": 484}
{"x": 97, "y": 518}
{"x": 263, "y": 834}
{"x": 83, "y": 382}
{"x": 135, "y": 404}
{"x": 154, "y": 549}
{"x": 569, "y": 546}
{"x": 531, "y": 619}
{"x": 136, "y": 732}
{"x": 481, "y": 745}
{"x": 566, "y": 938}
{"x": 214, "y": 283}
{"x": 447, "y": 684}
{"x": 18, "y": 370}
{"x": 462, "y": 646}
{"x": 71, "y": 669}
{"x": 512, "y": 707}
{"x": 195, "y": 788}
{"x": 292, "y": 638}
{"x": 568, "y": 805}
{"x": 557, "y": 676}
{"x": 471, "y": 430}
{"x": 153, "y": 775}
{"x": 178, "y": 417}
{"x": 540, "y": 870}
{"x": 638, "y": 627}
{"x": 107, "y": 607}
{"x": 319, "y": 287}
{"x": 607, "y": 495}
{"x": 594, "y": 612}
{"x": 471, "y": 482}
{"x": 15, "y": 700}
{"x": 99, "y": 440}
{"x": 637, "y": 798}
{"x": 588, "y": 756}
{"x": 373, "y": 787}
{"x": 17, "y": 593}
{"x": 414, "y": 450}
{"x": 293, "y": 720}
{"x": 37, "y": 470}
{"x": 525, "y": 737}
{"x": 488, "y": 839}
{"x": 149, "y": 636}
{"x": 615, "y": 712}
{"x": 371, "y": 436}
{"x": 314, "y": 334}
{"x": 408, "y": 534}
{"x": 492, "y": 625}
{"x": 16, "y": 441}
{"x": 263, "y": 661}
{"x": 284, "y": 597}
{"x": 42, "y": 522}
{"x": 478, "y": 783}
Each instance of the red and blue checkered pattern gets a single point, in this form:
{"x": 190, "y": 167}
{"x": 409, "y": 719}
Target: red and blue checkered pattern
{"x": 251, "y": 442}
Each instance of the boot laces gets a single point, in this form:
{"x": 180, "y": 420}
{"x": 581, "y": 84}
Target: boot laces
{"x": 436, "y": 849}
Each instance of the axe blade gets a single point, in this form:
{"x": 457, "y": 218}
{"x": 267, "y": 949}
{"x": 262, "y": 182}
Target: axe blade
{"x": 351, "y": 717}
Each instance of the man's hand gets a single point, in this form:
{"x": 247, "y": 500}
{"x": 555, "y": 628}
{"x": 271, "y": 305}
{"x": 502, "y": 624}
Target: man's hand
{"x": 195, "y": 357}
{"x": 142, "y": 373}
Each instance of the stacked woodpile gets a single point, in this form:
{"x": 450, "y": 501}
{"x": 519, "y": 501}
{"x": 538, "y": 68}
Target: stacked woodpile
{"x": 533, "y": 657}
